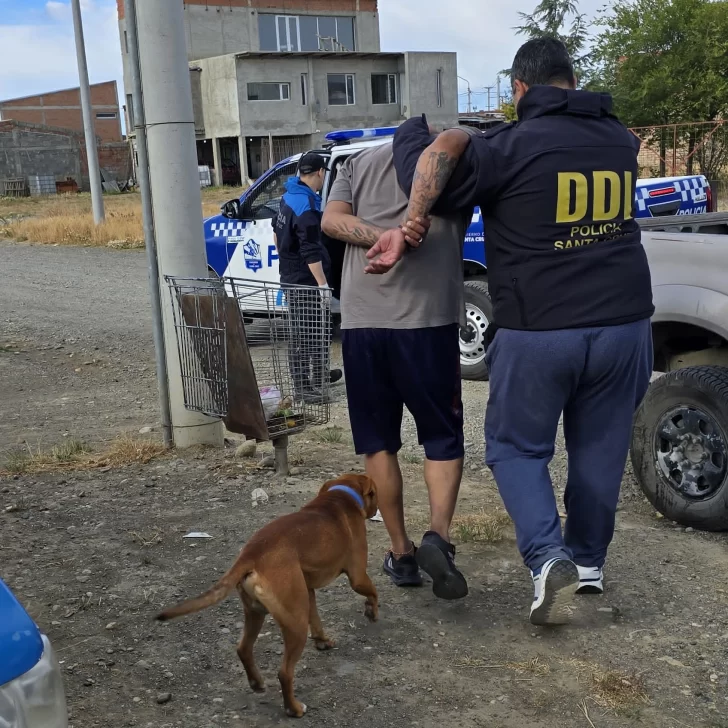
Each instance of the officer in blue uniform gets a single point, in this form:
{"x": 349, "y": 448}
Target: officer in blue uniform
{"x": 304, "y": 260}
{"x": 572, "y": 302}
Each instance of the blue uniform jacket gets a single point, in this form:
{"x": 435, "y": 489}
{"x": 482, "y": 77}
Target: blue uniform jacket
{"x": 298, "y": 231}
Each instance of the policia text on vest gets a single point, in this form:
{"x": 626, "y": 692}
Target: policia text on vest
{"x": 608, "y": 194}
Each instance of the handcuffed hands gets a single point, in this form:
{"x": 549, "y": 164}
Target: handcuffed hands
{"x": 386, "y": 252}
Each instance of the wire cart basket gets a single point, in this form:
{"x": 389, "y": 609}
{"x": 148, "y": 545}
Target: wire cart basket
{"x": 254, "y": 354}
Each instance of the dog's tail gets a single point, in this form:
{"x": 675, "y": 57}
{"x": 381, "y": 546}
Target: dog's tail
{"x": 238, "y": 571}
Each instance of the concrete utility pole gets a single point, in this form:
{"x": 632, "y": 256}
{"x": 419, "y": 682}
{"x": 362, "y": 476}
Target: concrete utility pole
{"x": 175, "y": 185}
{"x": 498, "y": 92}
{"x": 92, "y": 154}
{"x": 137, "y": 120}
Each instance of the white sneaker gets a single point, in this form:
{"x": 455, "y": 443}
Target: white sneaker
{"x": 555, "y": 587}
{"x": 591, "y": 580}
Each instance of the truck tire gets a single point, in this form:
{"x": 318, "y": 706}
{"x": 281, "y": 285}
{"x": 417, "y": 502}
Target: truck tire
{"x": 478, "y": 314}
{"x": 680, "y": 446}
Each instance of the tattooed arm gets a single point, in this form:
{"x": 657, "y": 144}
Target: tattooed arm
{"x": 434, "y": 169}
{"x": 340, "y": 223}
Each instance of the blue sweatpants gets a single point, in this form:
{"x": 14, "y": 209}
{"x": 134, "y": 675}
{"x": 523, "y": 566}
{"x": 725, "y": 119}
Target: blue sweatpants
{"x": 597, "y": 378}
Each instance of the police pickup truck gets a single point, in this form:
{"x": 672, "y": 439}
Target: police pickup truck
{"x": 239, "y": 241}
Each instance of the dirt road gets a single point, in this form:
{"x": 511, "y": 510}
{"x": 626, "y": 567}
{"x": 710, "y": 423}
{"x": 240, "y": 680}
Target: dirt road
{"x": 93, "y": 555}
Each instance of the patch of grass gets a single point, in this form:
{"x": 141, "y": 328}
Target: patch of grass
{"x": 482, "y": 527}
{"x": 332, "y": 435}
{"x": 67, "y": 219}
{"x": 76, "y": 455}
{"x": 610, "y": 689}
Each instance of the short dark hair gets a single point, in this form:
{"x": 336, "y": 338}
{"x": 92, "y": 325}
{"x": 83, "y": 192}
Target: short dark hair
{"x": 541, "y": 62}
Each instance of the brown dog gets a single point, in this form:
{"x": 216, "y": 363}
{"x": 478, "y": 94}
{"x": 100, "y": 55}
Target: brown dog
{"x": 283, "y": 563}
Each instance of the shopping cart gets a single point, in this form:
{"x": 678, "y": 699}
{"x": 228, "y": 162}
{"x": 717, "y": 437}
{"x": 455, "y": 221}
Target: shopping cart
{"x": 256, "y": 355}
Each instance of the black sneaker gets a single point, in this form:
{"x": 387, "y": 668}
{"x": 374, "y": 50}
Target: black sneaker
{"x": 335, "y": 375}
{"x": 403, "y": 571}
{"x": 436, "y": 557}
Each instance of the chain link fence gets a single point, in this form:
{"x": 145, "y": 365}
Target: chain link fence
{"x": 679, "y": 149}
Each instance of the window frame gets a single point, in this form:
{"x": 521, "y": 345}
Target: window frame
{"x": 281, "y": 85}
{"x": 391, "y": 79}
{"x": 347, "y": 77}
{"x": 288, "y": 19}
{"x": 296, "y": 21}
{"x": 270, "y": 186}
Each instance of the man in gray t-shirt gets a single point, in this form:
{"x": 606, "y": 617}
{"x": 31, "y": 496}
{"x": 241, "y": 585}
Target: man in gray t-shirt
{"x": 400, "y": 347}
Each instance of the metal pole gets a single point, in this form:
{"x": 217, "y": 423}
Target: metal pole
{"x": 470, "y": 93}
{"x": 498, "y": 92}
{"x": 92, "y": 155}
{"x": 137, "y": 118}
{"x": 175, "y": 185}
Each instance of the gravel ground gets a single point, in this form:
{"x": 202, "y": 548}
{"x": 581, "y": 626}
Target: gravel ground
{"x": 95, "y": 554}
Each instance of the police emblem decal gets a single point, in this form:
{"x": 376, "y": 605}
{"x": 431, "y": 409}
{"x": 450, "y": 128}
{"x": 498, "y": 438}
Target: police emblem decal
{"x": 253, "y": 258}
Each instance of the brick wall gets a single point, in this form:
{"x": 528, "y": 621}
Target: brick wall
{"x": 312, "y": 5}
{"x": 63, "y": 109}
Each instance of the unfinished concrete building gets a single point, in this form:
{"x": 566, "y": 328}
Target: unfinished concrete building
{"x": 271, "y": 77}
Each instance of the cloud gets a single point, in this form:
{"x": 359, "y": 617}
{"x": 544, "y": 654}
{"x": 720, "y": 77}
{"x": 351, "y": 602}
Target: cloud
{"x": 480, "y": 32}
{"x": 39, "y": 54}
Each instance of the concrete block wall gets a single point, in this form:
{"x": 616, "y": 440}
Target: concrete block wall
{"x": 25, "y": 152}
{"x": 420, "y": 87}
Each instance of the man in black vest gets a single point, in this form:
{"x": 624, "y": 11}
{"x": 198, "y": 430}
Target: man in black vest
{"x": 572, "y": 302}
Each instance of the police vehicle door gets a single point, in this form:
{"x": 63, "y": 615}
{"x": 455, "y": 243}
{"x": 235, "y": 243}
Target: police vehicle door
{"x": 254, "y": 255}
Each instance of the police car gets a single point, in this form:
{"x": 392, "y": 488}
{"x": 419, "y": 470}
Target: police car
{"x": 31, "y": 686}
{"x": 240, "y": 243}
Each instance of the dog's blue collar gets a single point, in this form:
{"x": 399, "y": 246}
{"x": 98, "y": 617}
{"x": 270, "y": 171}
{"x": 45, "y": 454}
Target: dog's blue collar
{"x": 346, "y": 489}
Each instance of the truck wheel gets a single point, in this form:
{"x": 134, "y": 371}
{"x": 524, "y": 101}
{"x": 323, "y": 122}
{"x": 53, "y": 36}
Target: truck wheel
{"x": 680, "y": 446}
{"x": 478, "y": 314}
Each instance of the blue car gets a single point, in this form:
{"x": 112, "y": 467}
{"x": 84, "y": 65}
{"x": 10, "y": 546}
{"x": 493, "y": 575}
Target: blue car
{"x": 31, "y": 686}
{"x": 239, "y": 242}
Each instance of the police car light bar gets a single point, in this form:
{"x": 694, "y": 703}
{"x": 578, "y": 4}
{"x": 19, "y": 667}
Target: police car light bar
{"x": 346, "y": 135}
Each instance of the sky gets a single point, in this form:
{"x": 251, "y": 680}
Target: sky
{"x": 37, "y": 51}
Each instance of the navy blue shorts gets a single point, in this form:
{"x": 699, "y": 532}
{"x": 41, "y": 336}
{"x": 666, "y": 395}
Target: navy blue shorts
{"x": 388, "y": 369}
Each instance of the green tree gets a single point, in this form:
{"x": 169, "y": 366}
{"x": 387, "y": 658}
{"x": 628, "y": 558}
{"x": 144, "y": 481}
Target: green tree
{"x": 664, "y": 61}
{"x": 560, "y": 19}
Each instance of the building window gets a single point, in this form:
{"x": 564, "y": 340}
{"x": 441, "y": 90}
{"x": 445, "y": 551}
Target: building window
{"x": 341, "y": 89}
{"x": 304, "y": 89}
{"x": 126, "y": 42}
{"x": 106, "y": 115}
{"x": 269, "y": 91}
{"x": 439, "y": 87}
{"x": 293, "y": 33}
{"x": 384, "y": 88}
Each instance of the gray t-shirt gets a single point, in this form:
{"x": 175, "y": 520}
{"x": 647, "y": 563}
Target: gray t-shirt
{"x": 425, "y": 288}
